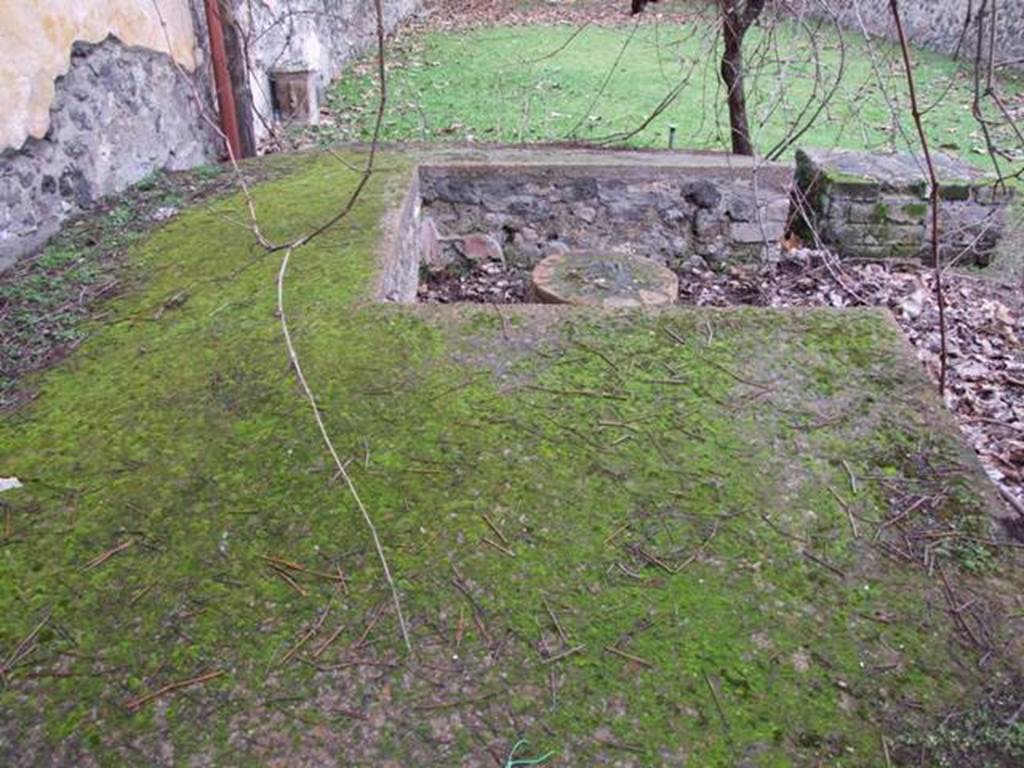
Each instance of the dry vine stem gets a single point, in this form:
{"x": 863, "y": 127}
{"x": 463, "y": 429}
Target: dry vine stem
{"x": 342, "y": 472}
{"x": 293, "y": 356}
{"x": 288, "y": 249}
{"x": 940, "y": 297}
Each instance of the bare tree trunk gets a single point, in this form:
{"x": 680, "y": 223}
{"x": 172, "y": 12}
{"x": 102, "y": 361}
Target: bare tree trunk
{"x": 732, "y": 76}
{"x": 736, "y": 20}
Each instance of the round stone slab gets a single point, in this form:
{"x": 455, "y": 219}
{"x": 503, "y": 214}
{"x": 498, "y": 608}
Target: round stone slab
{"x": 609, "y": 280}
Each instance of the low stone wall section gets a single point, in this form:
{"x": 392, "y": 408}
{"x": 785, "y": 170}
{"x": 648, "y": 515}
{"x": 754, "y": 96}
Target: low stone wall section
{"x": 878, "y": 206}
{"x": 667, "y": 214}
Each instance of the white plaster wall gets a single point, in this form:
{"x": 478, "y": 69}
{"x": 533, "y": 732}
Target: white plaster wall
{"x": 318, "y": 35}
{"x": 35, "y": 48}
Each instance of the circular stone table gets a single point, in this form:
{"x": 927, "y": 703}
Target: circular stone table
{"x": 609, "y": 280}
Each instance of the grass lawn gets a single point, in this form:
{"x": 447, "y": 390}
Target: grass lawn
{"x": 548, "y": 83}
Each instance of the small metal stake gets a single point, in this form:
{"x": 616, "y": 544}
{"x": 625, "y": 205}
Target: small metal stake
{"x": 671, "y": 137}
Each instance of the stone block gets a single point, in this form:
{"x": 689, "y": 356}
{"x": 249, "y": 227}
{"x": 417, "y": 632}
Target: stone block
{"x": 906, "y": 210}
{"x": 864, "y": 204}
{"x": 992, "y": 194}
{"x": 525, "y": 252}
{"x": 703, "y": 194}
{"x": 707, "y": 226}
{"x": 552, "y": 247}
{"x": 629, "y": 209}
{"x": 481, "y": 247}
{"x": 577, "y": 190}
{"x": 778, "y": 210}
{"x": 739, "y": 207}
{"x": 671, "y": 214}
{"x": 752, "y": 232}
{"x": 954, "y": 190}
{"x": 430, "y": 243}
{"x": 679, "y": 246}
{"x": 295, "y": 95}
{"x": 860, "y": 190}
{"x": 450, "y": 189}
{"x": 610, "y": 190}
{"x": 535, "y": 208}
{"x": 583, "y": 212}
{"x": 495, "y": 221}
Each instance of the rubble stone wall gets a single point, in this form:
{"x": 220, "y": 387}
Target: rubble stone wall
{"x": 666, "y": 215}
{"x": 879, "y": 206}
{"x": 102, "y": 93}
{"x": 119, "y": 114}
{"x": 945, "y": 26}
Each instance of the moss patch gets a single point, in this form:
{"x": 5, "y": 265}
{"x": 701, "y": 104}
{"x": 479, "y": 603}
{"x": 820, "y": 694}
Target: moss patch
{"x": 672, "y": 492}
{"x": 916, "y": 210}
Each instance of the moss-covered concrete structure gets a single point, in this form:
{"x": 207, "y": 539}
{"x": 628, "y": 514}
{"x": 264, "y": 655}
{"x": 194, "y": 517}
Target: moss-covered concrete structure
{"x": 635, "y": 538}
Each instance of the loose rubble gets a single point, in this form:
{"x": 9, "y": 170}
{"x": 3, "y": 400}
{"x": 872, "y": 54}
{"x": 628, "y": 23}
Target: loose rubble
{"x": 464, "y": 280}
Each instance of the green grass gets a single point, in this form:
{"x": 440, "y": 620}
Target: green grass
{"x": 178, "y": 426}
{"x": 518, "y": 84}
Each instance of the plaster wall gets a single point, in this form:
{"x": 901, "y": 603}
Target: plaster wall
{"x": 316, "y": 35}
{"x": 36, "y": 38}
{"x": 97, "y": 95}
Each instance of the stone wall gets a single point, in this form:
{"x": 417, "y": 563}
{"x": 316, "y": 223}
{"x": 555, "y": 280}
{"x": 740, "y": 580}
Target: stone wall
{"x": 878, "y": 206}
{"x": 665, "y": 214}
{"x": 938, "y": 25}
{"x": 36, "y": 37}
{"x": 98, "y": 94}
{"x": 117, "y": 115}
{"x": 321, "y": 36}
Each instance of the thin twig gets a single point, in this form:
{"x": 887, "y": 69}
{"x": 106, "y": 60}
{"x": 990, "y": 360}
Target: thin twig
{"x": 102, "y": 558}
{"x": 853, "y": 478}
{"x": 283, "y": 575}
{"x": 493, "y": 527}
{"x": 497, "y": 546}
{"x": 342, "y": 472}
{"x": 134, "y": 705}
{"x": 554, "y": 620}
{"x": 318, "y": 652}
{"x": 846, "y": 509}
{"x": 288, "y": 249}
{"x": 577, "y": 392}
{"x": 22, "y": 648}
{"x": 563, "y": 654}
{"x": 718, "y": 703}
{"x": 823, "y": 563}
{"x": 306, "y": 636}
{"x": 629, "y": 656}
{"x": 280, "y": 562}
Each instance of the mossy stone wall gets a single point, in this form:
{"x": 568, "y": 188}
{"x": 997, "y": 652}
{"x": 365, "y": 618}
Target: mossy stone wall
{"x": 878, "y": 206}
